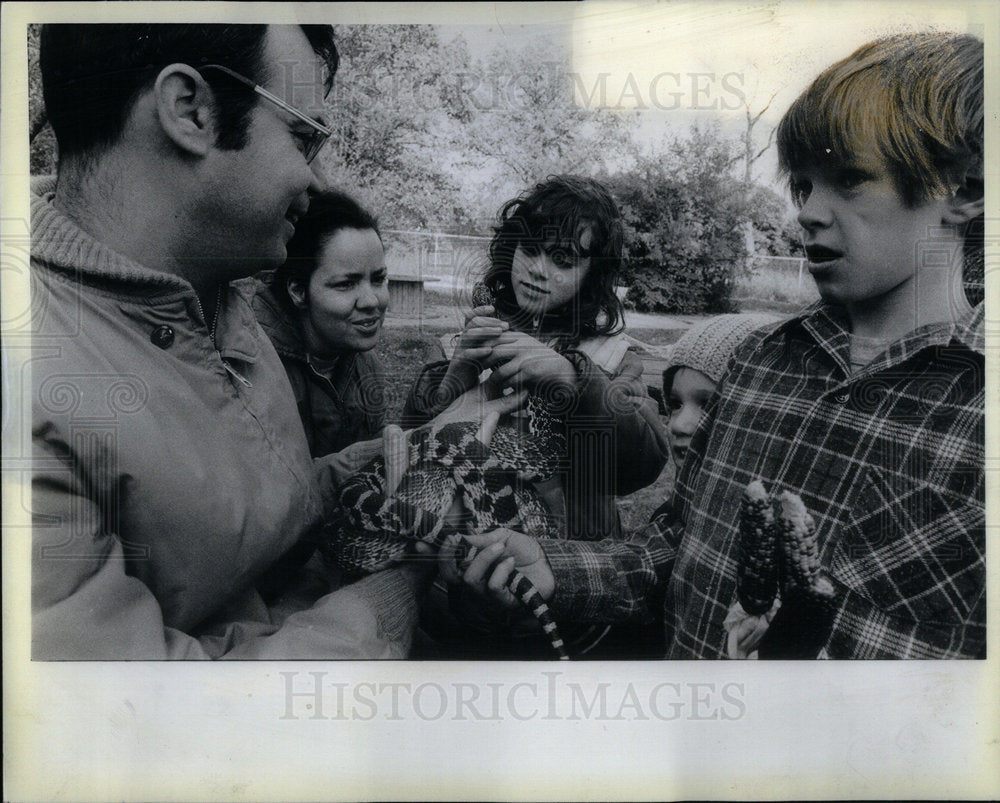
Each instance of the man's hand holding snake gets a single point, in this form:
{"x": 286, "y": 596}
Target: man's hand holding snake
{"x": 457, "y": 481}
{"x": 473, "y": 405}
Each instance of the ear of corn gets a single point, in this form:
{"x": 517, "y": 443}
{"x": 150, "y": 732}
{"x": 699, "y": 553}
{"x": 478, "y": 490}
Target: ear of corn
{"x": 797, "y": 533}
{"x": 802, "y": 625}
{"x": 757, "y": 572}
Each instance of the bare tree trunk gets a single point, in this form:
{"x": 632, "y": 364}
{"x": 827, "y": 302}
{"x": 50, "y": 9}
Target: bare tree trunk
{"x": 749, "y": 158}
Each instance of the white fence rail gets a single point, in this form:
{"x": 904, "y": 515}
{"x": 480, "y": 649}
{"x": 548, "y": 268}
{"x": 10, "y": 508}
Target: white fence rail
{"x": 783, "y": 264}
{"x": 784, "y": 279}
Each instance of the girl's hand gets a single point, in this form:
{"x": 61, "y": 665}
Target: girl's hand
{"x": 472, "y": 348}
{"x": 481, "y": 330}
{"x": 520, "y": 361}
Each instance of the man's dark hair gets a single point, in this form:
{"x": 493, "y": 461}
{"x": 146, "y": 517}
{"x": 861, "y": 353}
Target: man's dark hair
{"x": 93, "y": 74}
{"x": 329, "y": 212}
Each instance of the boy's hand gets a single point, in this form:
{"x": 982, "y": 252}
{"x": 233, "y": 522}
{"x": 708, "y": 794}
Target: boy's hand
{"x": 520, "y": 361}
{"x": 499, "y": 553}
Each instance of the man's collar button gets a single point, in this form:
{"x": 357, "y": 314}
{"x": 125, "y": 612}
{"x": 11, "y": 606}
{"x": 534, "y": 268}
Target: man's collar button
{"x": 162, "y": 337}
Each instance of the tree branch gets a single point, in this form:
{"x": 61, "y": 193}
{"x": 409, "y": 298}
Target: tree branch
{"x": 770, "y": 141}
{"x": 767, "y": 106}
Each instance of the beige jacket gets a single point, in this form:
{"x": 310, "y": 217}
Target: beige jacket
{"x": 170, "y": 471}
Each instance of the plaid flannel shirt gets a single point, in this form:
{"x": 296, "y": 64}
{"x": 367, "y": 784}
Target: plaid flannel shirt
{"x": 889, "y": 461}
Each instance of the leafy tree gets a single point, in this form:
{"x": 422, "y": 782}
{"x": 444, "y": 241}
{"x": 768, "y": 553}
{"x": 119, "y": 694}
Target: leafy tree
{"x": 431, "y": 139}
{"x": 775, "y": 231}
{"x": 398, "y": 117}
{"x": 683, "y": 215}
{"x": 40, "y": 136}
{"x": 527, "y": 124}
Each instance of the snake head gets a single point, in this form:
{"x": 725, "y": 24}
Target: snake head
{"x": 482, "y": 296}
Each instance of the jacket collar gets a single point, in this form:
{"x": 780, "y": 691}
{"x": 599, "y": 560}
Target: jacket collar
{"x": 63, "y": 246}
{"x": 59, "y": 242}
{"x": 237, "y": 334}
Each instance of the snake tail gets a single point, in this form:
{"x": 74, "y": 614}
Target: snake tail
{"x": 522, "y": 588}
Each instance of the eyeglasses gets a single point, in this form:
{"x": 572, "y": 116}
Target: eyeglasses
{"x": 311, "y": 143}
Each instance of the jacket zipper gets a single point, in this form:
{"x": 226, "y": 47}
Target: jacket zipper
{"x": 211, "y": 333}
{"x": 236, "y": 373}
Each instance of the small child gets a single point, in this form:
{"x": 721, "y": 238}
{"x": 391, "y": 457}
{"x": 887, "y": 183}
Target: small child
{"x": 859, "y": 421}
{"x": 698, "y": 361}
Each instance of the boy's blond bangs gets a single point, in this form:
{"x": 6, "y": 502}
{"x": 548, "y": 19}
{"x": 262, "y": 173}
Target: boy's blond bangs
{"x": 917, "y": 99}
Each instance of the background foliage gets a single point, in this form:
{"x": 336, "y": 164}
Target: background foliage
{"x": 436, "y": 139}
{"x": 683, "y": 235}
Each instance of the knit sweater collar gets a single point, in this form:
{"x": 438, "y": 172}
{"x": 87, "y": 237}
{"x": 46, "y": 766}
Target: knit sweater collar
{"x": 63, "y": 246}
{"x": 59, "y": 242}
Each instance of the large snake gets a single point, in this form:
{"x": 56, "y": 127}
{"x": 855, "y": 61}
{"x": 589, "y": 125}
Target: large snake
{"x": 374, "y": 530}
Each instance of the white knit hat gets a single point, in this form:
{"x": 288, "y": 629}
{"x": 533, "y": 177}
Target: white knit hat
{"x": 708, "y": 345}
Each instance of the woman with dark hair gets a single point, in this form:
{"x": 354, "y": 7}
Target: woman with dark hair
{"x": 546, "y": 319}
{"x": 323, "y": 311}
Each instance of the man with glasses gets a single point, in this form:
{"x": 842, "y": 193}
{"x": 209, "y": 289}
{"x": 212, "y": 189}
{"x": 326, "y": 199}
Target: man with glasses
{"x": 315, "y": 135}
{"x": 171, "y": 471}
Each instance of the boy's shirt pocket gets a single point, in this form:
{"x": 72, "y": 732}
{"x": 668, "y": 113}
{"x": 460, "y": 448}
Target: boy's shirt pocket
{"x": 915, "y": 550}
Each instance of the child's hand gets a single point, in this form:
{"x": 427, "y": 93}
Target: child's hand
{"x": 520, "y": 361}
{"x": 473, "y": 346}
{"x": 473, "y": 405}
{"x": 499, "y": 553}
{"x": 481, "y": 329}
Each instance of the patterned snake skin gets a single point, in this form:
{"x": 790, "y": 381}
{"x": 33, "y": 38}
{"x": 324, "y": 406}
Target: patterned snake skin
{"x": 373, "y": 531}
